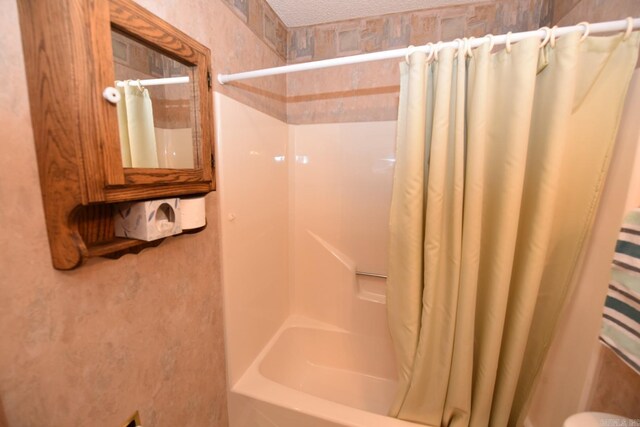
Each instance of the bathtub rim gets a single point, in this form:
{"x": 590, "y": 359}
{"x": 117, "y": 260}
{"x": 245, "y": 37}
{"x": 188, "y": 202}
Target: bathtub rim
{"x": 253, "y": 384}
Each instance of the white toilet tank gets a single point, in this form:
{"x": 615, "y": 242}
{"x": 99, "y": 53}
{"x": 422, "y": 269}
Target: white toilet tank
{"x": 598, "y": 419}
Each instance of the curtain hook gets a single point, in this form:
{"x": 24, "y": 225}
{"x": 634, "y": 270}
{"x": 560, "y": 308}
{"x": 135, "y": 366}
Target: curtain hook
{"x": 508, "y": 42}
{"x": 627, "y": 33}
{"x": 585, "y": 24}
{"x": 459, "y": 44}
{"x": 431, "y": 51}
{"x": 547, "y": 36}
{"x": 468, "y": 50}
{"x": 140, "y": 88}
{"x": 410, "y": 51}
{"x": 437, "y": 49}
{"x": 552, "y": 40}
{"x": 491, "y": 41}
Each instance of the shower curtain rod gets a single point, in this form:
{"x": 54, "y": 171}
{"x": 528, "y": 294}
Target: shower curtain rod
{"x": 155, "y": 82}
{"x": 602, "y": 27}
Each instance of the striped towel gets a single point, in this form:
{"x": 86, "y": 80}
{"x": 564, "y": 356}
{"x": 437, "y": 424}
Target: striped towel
{"x": 621, "y": 323}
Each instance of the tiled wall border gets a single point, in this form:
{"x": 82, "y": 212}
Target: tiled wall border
{"x": 390, "y": 31}
{"x": 372, "y": 34}
{"x": 263, "y": 21}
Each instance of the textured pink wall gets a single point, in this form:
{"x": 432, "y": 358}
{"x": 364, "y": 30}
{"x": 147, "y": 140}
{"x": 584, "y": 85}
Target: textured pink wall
{"x": 144, "y": 332}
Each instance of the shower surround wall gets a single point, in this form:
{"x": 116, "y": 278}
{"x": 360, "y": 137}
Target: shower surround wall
{"x": 253, "y": 177}
{"x": 142, "y": 332}
{"x": 301, "y": 209}
{"x": 340, "y": 178}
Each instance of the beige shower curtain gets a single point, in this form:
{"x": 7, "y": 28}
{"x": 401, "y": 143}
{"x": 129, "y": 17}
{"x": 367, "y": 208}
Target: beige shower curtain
{"x": 500, "y": 163}
{"x": 136, "y": 127}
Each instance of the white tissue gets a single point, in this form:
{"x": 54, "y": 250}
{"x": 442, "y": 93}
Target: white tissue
{"x": 148, "y": 220}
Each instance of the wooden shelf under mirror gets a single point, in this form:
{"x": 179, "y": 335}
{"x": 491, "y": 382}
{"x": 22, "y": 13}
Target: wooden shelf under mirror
{"x": 96, "y": 228}
{"x": 92, "y": 151}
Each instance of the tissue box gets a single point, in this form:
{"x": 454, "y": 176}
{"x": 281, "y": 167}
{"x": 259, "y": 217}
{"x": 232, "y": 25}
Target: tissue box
{"x": 148, "y": 220}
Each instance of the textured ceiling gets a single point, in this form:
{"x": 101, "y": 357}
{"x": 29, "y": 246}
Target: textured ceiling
{"x": 298, "y": 13}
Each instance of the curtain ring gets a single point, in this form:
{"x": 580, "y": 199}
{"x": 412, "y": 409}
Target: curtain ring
{"x": 410, "y": 51}
{"x": 459, "y": 44}
{"x": 547, "y": 36}
{"x": 468, "y": 50}
{"x": 491, "y": 41}
{"x": 431, "y": 51}
{"x": 585, "y": 24}
{"x": 552, "y": 40}
{"x": 508, "y": 44}
{"x": 140, "y": 88}
{"x": 627, "y": 33}
{"x": 437, "y": 49}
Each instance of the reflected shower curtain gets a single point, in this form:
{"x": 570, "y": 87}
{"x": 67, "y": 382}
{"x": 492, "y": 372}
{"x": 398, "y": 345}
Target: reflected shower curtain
{"x": 136, "y": 128}
{"x": 500, "y": 162}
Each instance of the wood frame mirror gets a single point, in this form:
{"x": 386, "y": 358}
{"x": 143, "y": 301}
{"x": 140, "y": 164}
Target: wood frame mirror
{"x": 68, "y": 58}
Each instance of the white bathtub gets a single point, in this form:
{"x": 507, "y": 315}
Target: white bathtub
{"x": 314, "y": 375}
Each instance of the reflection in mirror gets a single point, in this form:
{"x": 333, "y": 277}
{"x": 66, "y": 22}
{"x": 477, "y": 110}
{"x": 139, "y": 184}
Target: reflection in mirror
{"x": 157, "y": 112}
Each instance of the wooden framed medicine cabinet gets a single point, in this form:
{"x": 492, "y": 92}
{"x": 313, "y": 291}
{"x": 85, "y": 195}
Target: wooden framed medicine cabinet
{"x": 80, "y": 55}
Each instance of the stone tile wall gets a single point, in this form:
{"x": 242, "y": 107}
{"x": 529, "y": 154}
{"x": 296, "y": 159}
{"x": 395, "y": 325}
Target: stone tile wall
{"x": 263, "y": 21}
{"x": 567, "y": 12}
{"x": 369, "y": 91}
{"x": 398, "y": 30}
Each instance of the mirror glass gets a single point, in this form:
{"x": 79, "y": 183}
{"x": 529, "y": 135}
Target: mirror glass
{"x": 157, "y": 111}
